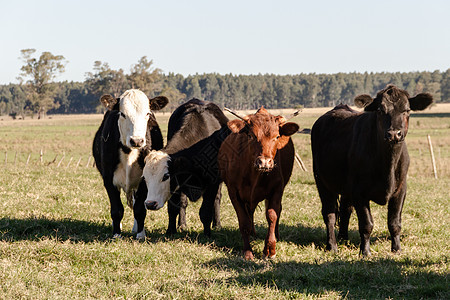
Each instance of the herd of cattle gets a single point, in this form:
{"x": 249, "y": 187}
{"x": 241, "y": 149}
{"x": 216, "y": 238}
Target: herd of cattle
{"x": 357, "y": 157}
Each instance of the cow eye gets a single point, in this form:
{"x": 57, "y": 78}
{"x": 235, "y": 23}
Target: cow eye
{"x": 123, "y": 115}
{"x": 165, "y": 177}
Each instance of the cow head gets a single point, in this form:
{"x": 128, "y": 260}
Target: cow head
{"x": 393, "y": 107}
{"x": 135, "y": 110}
{"x": 266, "y": 134}
{"x": 157, "y": 179}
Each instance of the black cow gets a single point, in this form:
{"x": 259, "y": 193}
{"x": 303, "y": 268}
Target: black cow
{"x": 362, "y": 156}
{"x": 127, "y": 133}
{"x": 189, "y": 123}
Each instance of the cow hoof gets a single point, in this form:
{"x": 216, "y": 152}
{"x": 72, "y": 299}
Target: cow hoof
{"x": 117, "y": 236}
{"x": 171, "y": 232}
{"x": 270, "y": 256}
{"x": 141, "y": 236}
{"x": 332, "y": 248}
{"x": 182, "y": 227}
{"x": 135, "y": 227}
{"x": 248, "y": 255}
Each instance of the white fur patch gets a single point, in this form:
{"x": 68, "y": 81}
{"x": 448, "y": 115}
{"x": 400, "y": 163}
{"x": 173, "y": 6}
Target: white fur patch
{"x": 156, "y": 165}
{"x": 128, "y": 174}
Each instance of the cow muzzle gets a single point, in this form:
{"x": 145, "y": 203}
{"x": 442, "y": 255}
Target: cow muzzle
{"x": 264, "y": 164}
{"x": 137, "y": 142}
{"x": 394, "y": 136}
{"x": 152, "y": 205}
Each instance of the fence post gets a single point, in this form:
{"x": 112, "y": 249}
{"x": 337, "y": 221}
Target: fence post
{"x": 300, "y": 162}
{"x": 433, "y": 162}
{"x": 78, "y": 163}
{"x": 60, "y": 161}
{"x": 70, "y": 160}
{"x": 15, "y": 158}
{"x": 6, "y": 157}
{"x": 89, "y": 160}
{"x": 41, "y": 154}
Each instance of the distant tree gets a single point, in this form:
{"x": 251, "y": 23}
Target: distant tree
{"x": 104, "y": 80}
{"x": 445, "y": 86}
{"x": 41, "y": 73}
{"x": 146, "y": 78}
{"x": 175, "y": 97}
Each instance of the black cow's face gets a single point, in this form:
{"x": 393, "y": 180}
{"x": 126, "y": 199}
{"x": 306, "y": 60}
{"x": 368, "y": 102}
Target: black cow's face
{"x": 393, "y": 107}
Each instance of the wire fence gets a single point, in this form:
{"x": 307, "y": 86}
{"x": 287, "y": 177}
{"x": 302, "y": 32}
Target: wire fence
{"x": 15, "y": 158}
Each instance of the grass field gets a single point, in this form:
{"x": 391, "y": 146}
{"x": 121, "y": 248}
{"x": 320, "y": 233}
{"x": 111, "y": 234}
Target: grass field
{"x": 55, "y": 233}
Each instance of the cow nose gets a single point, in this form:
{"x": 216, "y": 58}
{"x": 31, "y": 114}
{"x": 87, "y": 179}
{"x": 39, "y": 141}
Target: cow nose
{"x": 151, "y": 205}
{"x": 264, "y": 164}
{"x": 394, "y": 135}
{"x": 136, "y": 142}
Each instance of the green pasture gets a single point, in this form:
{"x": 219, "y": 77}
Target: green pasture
{"x": 55, "y": 233}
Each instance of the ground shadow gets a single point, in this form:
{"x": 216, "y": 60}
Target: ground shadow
{"x": 35, "y": 229}
{"x": 361, "y": 279}
{"x": 229, "y": 238}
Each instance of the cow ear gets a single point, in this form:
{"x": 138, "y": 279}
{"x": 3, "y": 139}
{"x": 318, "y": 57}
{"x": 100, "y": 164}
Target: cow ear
{"x": 236, "y": 125}
{"x": 158, "y": 103}
{"x": 288, "y": 129}
{"x": 362, "y": 101}
{"x": 108, "y": 101}
{"x": 421, "y": 101}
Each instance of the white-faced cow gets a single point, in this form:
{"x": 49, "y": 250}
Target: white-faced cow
{"x": 255, "y": 162}
{"x": 190, "y": 123}
{"x": 127, "y": 133}
{"x": 362, "y": 156}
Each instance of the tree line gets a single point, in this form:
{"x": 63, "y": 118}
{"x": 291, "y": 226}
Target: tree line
{"x": 37, "y": 93}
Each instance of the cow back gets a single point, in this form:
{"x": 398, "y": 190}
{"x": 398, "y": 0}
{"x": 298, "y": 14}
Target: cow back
{"x": 192, "y": 122}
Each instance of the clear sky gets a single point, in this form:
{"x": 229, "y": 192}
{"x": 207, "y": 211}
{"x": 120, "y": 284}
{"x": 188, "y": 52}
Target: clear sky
{"x": 232, "y": 36}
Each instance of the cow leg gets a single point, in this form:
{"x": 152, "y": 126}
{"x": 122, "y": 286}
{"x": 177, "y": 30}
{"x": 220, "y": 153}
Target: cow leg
{"x": 345, "y": 211}
{"x": 329, "y": 209}
{"x": 365, "y": 223}
{"x": 245, "y": 223}
{"x": 139, "y": 210}
{"x": 173, "y": 208}
{"x": 216, "y": 218}
{"x": 207, "y": 208}
{"x": 182, "y": 213}
{"x": 395, "y": 207}
{"x": 116, "y": 207}
{"x": 273, "y": 211}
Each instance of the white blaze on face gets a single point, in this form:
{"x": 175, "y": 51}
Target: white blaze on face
{"x": 134, "y": 115}
{"x": 156, "y": 175}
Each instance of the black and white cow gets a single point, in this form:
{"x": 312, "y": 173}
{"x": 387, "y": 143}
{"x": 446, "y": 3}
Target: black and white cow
{"x": 193, "y": 171}
{"x": 191, "y": 122}
{"x": 127, "y": 133}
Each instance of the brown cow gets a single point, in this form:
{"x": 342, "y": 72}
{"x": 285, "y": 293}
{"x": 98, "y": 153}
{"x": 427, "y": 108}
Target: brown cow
{"x": 254, "y": 170}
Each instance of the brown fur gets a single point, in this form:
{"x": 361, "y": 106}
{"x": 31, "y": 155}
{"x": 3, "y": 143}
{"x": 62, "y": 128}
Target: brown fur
{"x": 258, "y": 136}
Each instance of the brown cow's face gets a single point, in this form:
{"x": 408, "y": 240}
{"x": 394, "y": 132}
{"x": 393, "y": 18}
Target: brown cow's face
{"x": 393, "y": 107}
{"x": 266, "y": 134}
